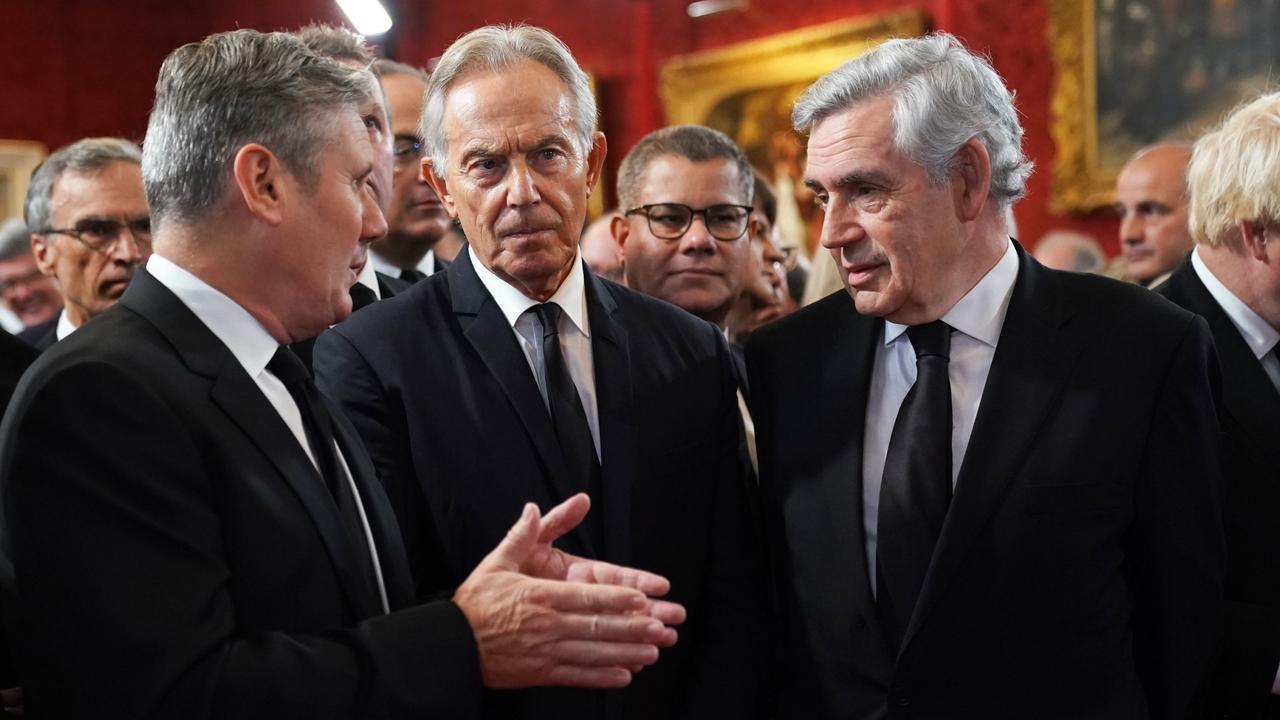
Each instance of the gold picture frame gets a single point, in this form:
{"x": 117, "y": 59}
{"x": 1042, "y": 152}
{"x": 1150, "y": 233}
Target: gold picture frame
{"x": 18, "y": 158}
{"x": 1138, "y": 73}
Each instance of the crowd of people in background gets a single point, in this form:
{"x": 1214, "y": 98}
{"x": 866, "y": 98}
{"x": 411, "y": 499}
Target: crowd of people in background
{"x": 286, "y": 374}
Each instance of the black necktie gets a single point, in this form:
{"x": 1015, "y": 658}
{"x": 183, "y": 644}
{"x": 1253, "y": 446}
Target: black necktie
{"x": 361, "y": 296}
{"x": 916, "y": 487}
{"x": 412, "y": 276}
{"x": 318, "y": 426}
{"x": 568, "y": 415}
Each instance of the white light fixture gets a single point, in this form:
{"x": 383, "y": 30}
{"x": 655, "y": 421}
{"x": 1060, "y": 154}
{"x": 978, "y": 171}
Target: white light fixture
{"x": 703, "y": 8}
{"x": 369, "y": 17}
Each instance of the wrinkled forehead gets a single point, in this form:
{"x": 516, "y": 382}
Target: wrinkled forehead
{"x": 112, "y": 190}
{"x": 523, "y": 96}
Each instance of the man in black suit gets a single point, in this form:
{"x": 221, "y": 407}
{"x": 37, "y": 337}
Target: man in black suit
{"x": 517, "y": 373}
{"x": 244, "y": 562}
{"x": 1232, "y": 280}
{"x": 90, "y": 229}
{"x": 992, "y": 488}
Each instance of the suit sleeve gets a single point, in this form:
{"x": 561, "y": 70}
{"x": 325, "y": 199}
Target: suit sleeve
{"x": 1179, "y": 547}
{"x": 126, "y": 594}
{"x": 345, "y": 375}
{"x": 733, "y": 652}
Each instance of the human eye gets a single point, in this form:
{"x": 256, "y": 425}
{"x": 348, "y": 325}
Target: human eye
{"x": 725, "y": 214}
{"x": 97, "y": 229}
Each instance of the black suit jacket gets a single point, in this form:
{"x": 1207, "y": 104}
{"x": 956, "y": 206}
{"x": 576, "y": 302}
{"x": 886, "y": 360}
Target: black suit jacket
{"x": 452, "y": 415}
{"x": 1079, "y": 570}
{"x": 41, "y": 335}
{"x": 1250, "y": 415}
{"x": 177, "y": 555}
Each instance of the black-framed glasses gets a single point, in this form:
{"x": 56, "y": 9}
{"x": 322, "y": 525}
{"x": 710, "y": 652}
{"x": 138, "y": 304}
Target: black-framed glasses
{"x": 670, "y": 221}
{"x": 407, "y": 150}
{"x": 101, "y": 235}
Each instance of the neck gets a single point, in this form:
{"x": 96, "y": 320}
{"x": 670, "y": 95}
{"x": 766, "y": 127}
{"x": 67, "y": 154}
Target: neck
{"x": 1244, "y": 276}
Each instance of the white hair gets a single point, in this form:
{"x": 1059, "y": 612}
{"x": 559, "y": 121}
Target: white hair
{"x": 1234, "y": 173}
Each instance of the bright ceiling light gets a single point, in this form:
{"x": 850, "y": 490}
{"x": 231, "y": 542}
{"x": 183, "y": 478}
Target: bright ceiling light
{"x": 369, "y": 17}
{"x": 703, "y": 8}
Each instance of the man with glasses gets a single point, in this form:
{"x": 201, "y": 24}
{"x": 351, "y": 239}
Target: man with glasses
{"x": 24, "y": 290}
{"x": 540, "y": 380}
{"x": 686, "y": 198}
{"x": 416, "y": 220}
{"x": 90, "y": 229}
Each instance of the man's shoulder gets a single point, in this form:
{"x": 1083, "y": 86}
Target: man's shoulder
{"x": 399, "y": 315}
{"x": 38, "y": 335}
{"x": 811, "y": 323}
{"x": 1126, "y": 306}
{"x": 647, "y": 316}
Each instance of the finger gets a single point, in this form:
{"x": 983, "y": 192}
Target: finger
{"x": 564, "y": 517}
{"x": 585, "y": 598}
{"x": 609, "y": 574}
{"x": 520, "y": 542}
{"x": 668, "y": 612}
{"x": 608, "y": 628}
{"x": 590, "y": 653}
{"x": 588, "y": 677}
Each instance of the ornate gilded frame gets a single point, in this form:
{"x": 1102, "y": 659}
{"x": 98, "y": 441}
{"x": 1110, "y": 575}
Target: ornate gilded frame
{"x": 18, "y": 158}
{"x": 692, "y": 85}
{"x": 1081, "y": 180}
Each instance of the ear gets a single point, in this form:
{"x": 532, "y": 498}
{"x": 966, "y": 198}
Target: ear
{"x": 1254, "y": 236}
{"x": 971, "y": 178}
{"x": 620, "y": 228}
{"x": 440, "y": 187}
{"x": 45, "y": 252}
{"x": 259, "y": 176}
{"x": 595, "y": 160}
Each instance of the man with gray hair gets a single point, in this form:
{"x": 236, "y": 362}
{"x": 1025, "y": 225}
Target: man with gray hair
{"x": 541, "y": 380}
{"x": 29, "y": 294}
{"x": 685, "y": 194}
{"x": 90, "y": 229}
{"x": 1070, "y": 250}
{"x": 1232, "y": 280}
{"x": 247, "y": 564}
{"x": 1002, "y": 501}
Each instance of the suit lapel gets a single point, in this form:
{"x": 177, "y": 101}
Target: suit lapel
{"x": 488, "y": 331}
{"x": 1248, "y": 395}
{"x": 235, "y": 393}
{"x": 614, "y": 403}
{"x": 1036, "y": 351}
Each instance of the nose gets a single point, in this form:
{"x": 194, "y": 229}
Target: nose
{"x": 697, "y": 239}
{"x": 1131, "y": 229}
{"x": 839, "y": 228}
{"x": 522, "y": 187}
{"x": 374, "y": 223}
{"x": 126, "y": 248}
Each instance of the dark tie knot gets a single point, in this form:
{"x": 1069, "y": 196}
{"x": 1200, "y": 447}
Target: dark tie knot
{"x": 412, "y": 276}
{"x": 549, "y": 315}
{"x": 931, "y": 339}
{"x": 288, "y": 367}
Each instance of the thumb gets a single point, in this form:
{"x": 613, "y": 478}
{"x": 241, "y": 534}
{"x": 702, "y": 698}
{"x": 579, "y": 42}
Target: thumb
{"x": 519, "y": 543}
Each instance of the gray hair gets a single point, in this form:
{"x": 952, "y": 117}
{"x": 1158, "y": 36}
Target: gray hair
{"x": 384, "y": 67}
{"x": 1234, "y": 174}
{"x": 943, "y": 96}
{"x": 89, "y": 155}
{"x": 494, "y": 48}
{"x": 15, "y": 240}
{"x": 215, "y": 96}
{"x": 335, "y": 43}
{"x": 694, "y": 143}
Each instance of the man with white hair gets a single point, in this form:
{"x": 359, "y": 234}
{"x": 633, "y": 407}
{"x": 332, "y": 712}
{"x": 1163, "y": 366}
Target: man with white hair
{"x": 1232, "y": 280}
{"x": 541, "y": 380}
{"x": 193, "y": 529}
{"x": 1003, "y": 501}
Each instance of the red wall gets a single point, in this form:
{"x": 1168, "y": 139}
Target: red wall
{"x": 74, "y": 68}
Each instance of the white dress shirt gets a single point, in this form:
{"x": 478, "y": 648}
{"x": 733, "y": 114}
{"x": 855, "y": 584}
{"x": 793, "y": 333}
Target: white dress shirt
{"x": 64, "y": 327}
{"x": 976, "y": 319}
{"x": 426, "y": 266}
{"x": 253, "y": 347}
{"x": 575, "y": 332}
{"x": 368, "y": 279}
{"x": 1257, "y": 333}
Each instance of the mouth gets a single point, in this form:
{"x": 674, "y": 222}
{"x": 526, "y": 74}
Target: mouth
{"x": 859, "y": 273}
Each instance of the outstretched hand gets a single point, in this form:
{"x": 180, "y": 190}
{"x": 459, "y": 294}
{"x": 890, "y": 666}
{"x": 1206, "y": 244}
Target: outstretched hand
{"x": 544, "y": 617}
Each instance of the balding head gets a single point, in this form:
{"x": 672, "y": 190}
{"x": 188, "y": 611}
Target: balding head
{"x": 1151, "y": 198}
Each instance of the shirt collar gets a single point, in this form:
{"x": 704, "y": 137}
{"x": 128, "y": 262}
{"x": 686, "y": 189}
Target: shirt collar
{"x": 427, "y": 265}
{"x": 64, "y": 327}
{"x": 980, "y": 313}
{"x": 368, "y": 277}
{"x": 243, "y": 335}
{"x": 571, "y": 296}
{"x": 380, "y": 264}
{"x": 1260, "y": 336}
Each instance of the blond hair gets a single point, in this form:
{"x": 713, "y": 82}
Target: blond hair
{"x": 1234, "y": 174}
